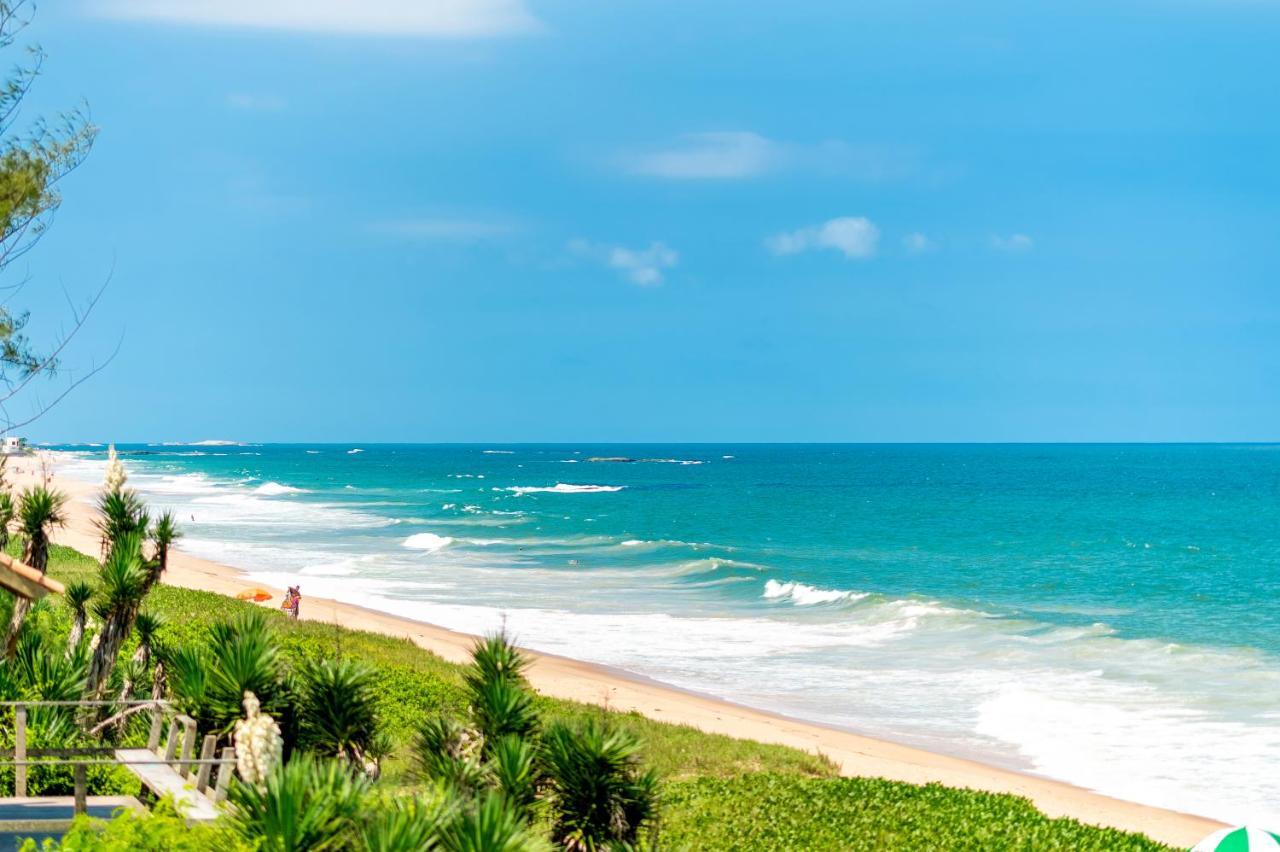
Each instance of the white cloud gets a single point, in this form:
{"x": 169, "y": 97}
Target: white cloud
{"x": 721, "y": 155}
{"x": 918, "y": 243}
{"x": 740, "y": 154}
{"x": 444, "y": 229}
{"x": 855, "y": 237}
{"x": 255, "y": 102}
{"x": 640, "y": 266}
{"x": 1013, "y": 243}
{"x": 437, "y": 18}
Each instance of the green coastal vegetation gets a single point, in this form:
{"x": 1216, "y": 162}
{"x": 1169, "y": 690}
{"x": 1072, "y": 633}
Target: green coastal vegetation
{"x": 349, "y": 740}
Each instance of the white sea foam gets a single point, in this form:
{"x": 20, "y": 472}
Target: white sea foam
{"x": 427, "y": 541}
{"x": 352, "y": 452}
{"x": 801, "y": 594}
{"x": 562, "y": 488}
{"x": 275, "y": 489}
{"x": 654, "y": 544}
{"x": 499, "y": 452}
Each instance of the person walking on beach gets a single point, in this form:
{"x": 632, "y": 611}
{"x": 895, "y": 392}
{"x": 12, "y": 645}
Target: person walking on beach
{"x": 291, "y": 600}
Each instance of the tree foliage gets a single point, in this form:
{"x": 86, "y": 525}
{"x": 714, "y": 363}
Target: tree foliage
{"x": 33, "y": 160}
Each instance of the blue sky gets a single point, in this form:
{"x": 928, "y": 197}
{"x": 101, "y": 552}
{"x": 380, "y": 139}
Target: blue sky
{"x": 487, "y": 220}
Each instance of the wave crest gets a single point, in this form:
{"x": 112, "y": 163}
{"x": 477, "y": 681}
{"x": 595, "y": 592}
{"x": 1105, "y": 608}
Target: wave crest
{"x": 275, "y": 489}
{"x": 562, "y": 488}
{"x": 802, "y": 594}
{"x": 429, "y": 542}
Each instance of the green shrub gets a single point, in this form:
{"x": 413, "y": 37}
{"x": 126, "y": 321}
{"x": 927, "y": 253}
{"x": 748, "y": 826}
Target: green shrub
{"x": 767, "y": 812}
{"x": 600, "y": 793}
{"x": 306, "y": 805}
{"x": 160, "y": 830}
{"x": 337, "y": 709}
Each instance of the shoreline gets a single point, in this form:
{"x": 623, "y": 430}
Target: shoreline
{"x": 568, "y": 678}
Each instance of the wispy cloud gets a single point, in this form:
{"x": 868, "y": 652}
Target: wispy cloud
{"x": 444, "y": 229}
{"x": 1013, "y": 243}
{"x": 639, "y": 266}
{"x": 701, "y": 156}
{"x": 918, "y": 243}
{"x": 741, "y": 154}
{"x": 255, "y": 102}
{"x": 856, "y": 237}
{"x": 431, "y": 18}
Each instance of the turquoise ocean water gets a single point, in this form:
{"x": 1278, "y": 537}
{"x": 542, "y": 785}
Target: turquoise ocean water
{"x": 1108, "y": 615}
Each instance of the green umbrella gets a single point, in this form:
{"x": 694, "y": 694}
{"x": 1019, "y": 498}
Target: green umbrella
{"x": 1242, "y": 839}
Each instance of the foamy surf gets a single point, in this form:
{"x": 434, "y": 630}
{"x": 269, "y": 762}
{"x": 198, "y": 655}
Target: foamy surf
{"x": 275, "y": 489}
{"x": 801, "y": 594}
{"x": 427, "y": 541}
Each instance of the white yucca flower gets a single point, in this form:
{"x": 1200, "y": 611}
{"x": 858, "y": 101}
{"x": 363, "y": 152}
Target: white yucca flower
{"x": 116, "y": 476}
{"x": 258, "y": 742}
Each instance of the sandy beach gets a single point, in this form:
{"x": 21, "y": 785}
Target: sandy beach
{"x": 572, "y": 679}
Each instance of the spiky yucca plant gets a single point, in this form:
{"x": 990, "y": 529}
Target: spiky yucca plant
{"x": 446, "y": 752}
{"x": 600, "y": 794}
{"x": 501, "y": 703}
{"x": 400, "y": 824}
{"x": 122, "y": 514}
{"x": 123, "y": 582}
{"x": 77, "y": 596}
{"x": 163, "y": 536}
{"x": 493, "y": 825}
{"x": 243, "y": 656}
{"x": 304, "y": 804}
{"x": 337, "y": 710}
{"x": 145, "y": 626}
{"x": 513, "y": 765}
{"x": 40, "y": 511}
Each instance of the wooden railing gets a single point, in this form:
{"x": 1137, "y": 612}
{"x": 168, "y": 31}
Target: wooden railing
{"x": 179, "y": 772}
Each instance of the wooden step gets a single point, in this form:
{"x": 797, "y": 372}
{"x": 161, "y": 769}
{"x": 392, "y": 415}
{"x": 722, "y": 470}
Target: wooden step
{"x": 164, "y": 780}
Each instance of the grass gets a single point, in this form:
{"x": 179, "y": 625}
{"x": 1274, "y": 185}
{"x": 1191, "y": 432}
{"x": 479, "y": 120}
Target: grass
{"x": 719, "y": 792}
{"x": 771, "y": 811}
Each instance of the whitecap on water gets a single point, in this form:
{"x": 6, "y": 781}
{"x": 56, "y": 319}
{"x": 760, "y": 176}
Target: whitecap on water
{"x": 562, "y": 488}
{"x": 275, "y": 489}
{"x": 802, "y": 594}
{"x": 427, "y": 541}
